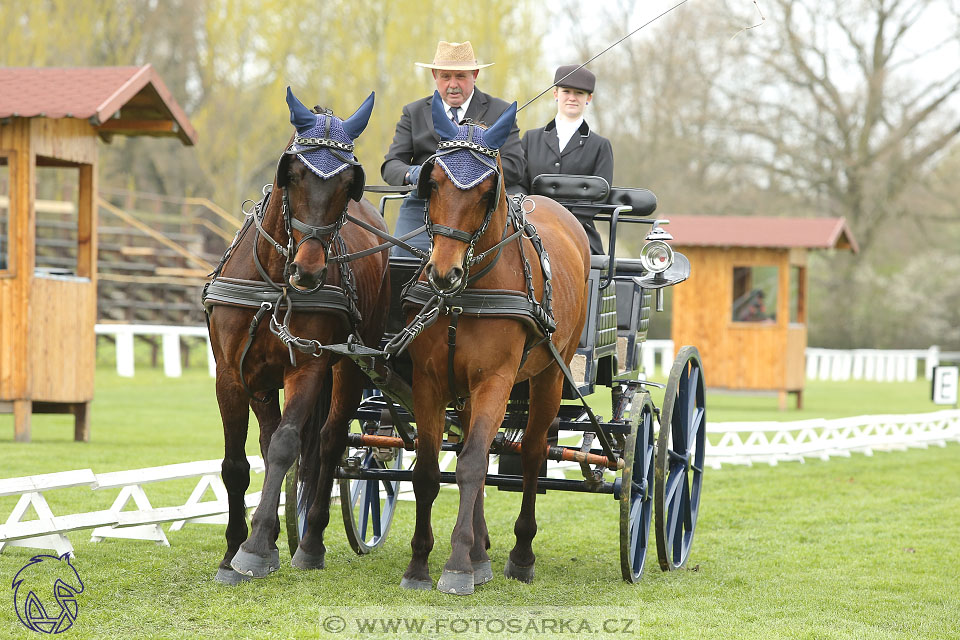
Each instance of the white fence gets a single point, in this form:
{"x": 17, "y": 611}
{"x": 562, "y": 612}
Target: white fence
{"x": 170, "y": 345}
{"x": 732, "y": 443}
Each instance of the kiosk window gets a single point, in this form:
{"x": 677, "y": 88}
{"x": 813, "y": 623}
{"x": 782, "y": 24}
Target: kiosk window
{"x": 56, "y": 216}
{"x": 755, "y": 294}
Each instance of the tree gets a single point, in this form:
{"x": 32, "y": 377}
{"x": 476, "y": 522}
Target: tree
{"x": 839, "y": 104}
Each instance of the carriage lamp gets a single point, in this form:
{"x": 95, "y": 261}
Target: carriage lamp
{"x": 656, "y": 256}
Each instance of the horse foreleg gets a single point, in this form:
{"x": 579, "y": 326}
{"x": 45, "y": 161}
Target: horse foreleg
{"x": 482, "y": 571}
{"x": 268, "y": 417}
{"x": 345, "y": 398}
{"x": 488, "y": 404}
{"x": 258, "y": 556}
{"x": 429, "y": 410}
{"x": 235, "y": 471}
{"x": 546, "y": 391}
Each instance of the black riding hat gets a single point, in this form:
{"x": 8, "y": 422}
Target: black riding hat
{"x": 582, "y": 78}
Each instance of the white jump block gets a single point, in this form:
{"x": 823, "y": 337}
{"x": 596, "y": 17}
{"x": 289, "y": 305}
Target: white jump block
{"x": 47, "y": 531}
{"x": 144, "y": 523}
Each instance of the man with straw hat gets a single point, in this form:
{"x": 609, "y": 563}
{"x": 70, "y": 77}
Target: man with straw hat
{"x": 455, "y": 69}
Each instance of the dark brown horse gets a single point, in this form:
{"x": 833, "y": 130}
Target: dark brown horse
{"x": 468, "y": 214}
{"x": 294, "y": 251}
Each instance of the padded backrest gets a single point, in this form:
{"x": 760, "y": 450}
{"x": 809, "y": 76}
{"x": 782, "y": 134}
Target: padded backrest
{"x": 569, "y": 188}
{"x": 643, "y": 201}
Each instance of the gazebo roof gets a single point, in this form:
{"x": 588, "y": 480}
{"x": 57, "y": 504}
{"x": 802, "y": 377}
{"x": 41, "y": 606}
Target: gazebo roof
{"x": 760, "y": 231}
{"x": 116, "y": 100}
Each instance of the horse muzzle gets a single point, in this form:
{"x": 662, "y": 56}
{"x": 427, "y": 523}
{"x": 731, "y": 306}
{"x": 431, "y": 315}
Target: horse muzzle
{"x": 446, "y": 283}
{"x": 305, "y": 280}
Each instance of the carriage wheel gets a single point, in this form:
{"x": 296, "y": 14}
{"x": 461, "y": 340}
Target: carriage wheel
{"x": 297, "y": 501}
{"x": 636, "y": 489}
{"x": 679, "y": 460}
{"x": 368, "y": 505}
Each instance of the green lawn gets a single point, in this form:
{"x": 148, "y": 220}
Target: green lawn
{"x": 859, "y": 547}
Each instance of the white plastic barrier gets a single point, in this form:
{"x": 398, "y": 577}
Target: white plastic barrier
{"x": 882, "y": 365}
{"x": 48, "y": 530}
{"x": 170, "y": 345}
{"x": 657, "y": 350}
{"x": 773, "y": 442}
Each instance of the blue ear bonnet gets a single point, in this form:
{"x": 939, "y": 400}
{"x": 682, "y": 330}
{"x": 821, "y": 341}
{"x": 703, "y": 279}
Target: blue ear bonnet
{"x": 466, "y": 168}
{"x": 322, "y": 161}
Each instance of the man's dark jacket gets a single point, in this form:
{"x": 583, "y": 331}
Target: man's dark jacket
{"x": 415, "y": 140}
{"x": 585, "y": 154}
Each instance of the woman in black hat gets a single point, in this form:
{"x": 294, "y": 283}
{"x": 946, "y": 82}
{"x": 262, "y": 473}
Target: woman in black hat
{"x": 566, "y": 144}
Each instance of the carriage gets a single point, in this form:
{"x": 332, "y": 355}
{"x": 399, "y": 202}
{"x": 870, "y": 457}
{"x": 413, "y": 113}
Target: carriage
{"x": 478, "y": 360}
{"x": 648, "y": 458}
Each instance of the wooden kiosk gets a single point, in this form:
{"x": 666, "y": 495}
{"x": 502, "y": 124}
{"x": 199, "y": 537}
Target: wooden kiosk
{"x": 745, "y": 304}
{"x": 52, "y": 117}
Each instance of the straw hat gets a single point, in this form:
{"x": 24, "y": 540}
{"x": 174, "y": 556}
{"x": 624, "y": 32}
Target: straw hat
{"x": 454, "y": 56}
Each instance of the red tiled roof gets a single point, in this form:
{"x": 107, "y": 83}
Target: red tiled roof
{"x": 97, "y": 94}
{"x": 757, "y": 231}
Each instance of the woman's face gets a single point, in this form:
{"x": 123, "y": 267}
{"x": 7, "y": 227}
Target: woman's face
{"x": 571, "y": 102}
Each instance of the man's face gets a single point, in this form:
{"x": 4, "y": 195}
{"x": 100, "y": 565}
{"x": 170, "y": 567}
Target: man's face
{"x": 455, "y": 86}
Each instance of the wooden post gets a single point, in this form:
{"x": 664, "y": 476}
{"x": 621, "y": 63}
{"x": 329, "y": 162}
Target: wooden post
{"x": 81, "y": 422}
{"x": 22, "y": 410}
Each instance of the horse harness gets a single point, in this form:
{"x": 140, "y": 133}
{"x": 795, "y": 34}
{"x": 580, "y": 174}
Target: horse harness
{"x": 270, "y": 297}
{"x": 433, "y": 302}
{"x": 538, "y": 314}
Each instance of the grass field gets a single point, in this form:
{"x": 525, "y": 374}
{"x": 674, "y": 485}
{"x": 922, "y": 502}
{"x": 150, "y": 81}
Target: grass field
{"x": 862, "y": 547}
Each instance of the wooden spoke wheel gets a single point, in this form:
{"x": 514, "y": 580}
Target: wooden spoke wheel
{"x": 636, "y": 489}
{"x": 368, "y": 505}
{"x": 679, "y": 460}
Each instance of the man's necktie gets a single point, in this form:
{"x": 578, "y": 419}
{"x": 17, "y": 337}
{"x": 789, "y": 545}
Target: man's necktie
{"x": 453, "y": 115}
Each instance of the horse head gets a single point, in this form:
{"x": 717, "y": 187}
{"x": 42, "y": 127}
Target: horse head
{"x": 465, "y": 188}
{"x": 319, "y": 175}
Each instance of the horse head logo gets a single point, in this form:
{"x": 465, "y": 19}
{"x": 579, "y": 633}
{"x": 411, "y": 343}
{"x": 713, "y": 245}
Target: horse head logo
{"x": 45, "y": 576}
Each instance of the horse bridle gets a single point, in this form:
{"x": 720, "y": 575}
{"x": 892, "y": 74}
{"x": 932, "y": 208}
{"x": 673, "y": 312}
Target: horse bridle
{"x": 489, "y": 158}
{"x": 327, "y": 234}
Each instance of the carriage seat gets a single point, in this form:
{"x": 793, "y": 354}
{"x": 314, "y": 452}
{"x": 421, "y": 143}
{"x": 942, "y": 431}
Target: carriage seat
{"x": 643, "y": 201}
{"x": 593, "y": 190}
{"x": 571, "y": 188}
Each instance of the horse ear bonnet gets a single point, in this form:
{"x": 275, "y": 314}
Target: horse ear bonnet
{"x": 324, "y": 161}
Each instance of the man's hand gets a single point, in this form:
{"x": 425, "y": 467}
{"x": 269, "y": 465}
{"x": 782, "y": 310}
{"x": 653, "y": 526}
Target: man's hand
{"x": 413, "y": 174}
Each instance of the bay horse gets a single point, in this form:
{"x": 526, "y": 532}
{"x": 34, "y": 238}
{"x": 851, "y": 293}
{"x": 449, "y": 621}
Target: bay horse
{"x": 290, "y": 268}
{"x": 469, "y": 220}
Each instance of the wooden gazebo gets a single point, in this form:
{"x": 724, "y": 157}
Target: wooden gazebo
{"x": 52, "y": 117}
{"x": 745, "y": 304}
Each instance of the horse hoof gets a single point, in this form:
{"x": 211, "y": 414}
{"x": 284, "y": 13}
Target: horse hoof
{"x": 230, "y": 577}
{"x": 306, "y": 561}
{"x": 419, "y": 585}
{"x": 523, "y": 574}
{"x": 459, "y": 583}
{"x": 255, "y": 566}
{"x": 482, "y": 572}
